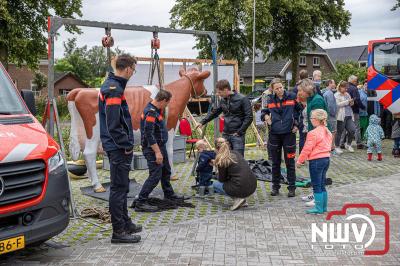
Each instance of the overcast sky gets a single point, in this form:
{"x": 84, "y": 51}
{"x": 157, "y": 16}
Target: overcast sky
{"x": 370, "y": 20}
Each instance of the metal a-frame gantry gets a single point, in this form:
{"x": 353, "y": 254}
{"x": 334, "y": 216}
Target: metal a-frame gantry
{"x": 55, "y": 23}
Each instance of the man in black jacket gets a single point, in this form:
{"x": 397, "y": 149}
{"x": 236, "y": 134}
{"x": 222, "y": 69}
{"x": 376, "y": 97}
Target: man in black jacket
{"x": 283, "y": 113}
{"x": 355, "y": 95}
{"x": 237, "y": 114}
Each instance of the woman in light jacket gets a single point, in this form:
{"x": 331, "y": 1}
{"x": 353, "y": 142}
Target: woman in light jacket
{"x": 345, "y": 117}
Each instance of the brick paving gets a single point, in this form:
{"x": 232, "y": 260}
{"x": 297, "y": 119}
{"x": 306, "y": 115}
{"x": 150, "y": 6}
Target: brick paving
{"x": 276, "y": 234}
{"x": 346, "y": 169}
{"x": 271, "y": 231}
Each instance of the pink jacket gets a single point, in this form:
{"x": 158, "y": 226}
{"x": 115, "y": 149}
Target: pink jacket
{"x": 318, "y": 145}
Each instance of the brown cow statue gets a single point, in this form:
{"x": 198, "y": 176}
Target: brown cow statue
{"x": 85, "y": 129}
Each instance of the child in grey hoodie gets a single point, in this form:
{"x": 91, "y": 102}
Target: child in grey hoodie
{"x": 374, "y": 134}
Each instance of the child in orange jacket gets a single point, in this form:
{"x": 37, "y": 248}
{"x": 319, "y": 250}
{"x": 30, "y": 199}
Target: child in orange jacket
{"x": 317, "y": 150}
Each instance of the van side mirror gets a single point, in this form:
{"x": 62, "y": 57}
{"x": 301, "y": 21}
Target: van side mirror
{"x": 29, "y": 99}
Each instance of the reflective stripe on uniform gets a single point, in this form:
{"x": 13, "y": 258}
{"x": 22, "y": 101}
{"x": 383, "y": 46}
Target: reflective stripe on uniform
{"x": 285, "y": 103}
{"x": 288, "y": 102}
{"x": 291, "y": 155}
{"x": 150, "y": 119}
{"x": 113, "y": 101}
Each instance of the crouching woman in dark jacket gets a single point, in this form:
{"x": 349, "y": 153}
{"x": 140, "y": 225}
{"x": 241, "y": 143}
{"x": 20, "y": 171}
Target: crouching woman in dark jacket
{"x": 235, "y": 177}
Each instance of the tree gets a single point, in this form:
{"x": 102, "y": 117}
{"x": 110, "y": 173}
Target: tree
{"x": 90, "y": 65}
{"x": 62, "y": 65}
{"x": 40, "y": 80}
{"x": 23, "y": 28}
{"x": 76, "y": 61}
{"x": 345, "y": 70}
{"x": 231, "y": 19}
{"x": 294, "y": 24}
{"x": 297, "y": 22}
{"x": 396, "y": 6}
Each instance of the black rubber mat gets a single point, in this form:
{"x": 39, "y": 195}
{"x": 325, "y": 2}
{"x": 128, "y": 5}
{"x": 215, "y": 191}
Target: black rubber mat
{"x": 134, "y": 189}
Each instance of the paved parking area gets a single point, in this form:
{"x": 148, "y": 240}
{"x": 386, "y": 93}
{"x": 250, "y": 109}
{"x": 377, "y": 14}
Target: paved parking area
{"x": 349, "y": 168}
{"x": 271, "y": 231}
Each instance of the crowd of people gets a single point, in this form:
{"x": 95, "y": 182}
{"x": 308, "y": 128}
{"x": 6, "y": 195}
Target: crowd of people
{"x": 337, "y": 113}
{"x": 346, "y": 106}
{"x": 326, "y": 119}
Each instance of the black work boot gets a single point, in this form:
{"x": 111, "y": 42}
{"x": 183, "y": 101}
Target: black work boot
{"x": 143, "y": 206}
{"x": 291, "y": 193}
{"x": 132, "y": 228}
{"x": 124, "y": 238}
{"x": 274, "y": 192}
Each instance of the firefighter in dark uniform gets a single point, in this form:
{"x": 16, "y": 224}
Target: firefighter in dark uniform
{"x": 283, "y": 111}
{"x": 117, "y": 139}
{"x": 154, "y": 136}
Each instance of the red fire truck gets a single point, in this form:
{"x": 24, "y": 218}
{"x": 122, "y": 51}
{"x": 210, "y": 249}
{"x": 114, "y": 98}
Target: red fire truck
{"x": 384, "y": 73}
{"x": 34, "y": 190}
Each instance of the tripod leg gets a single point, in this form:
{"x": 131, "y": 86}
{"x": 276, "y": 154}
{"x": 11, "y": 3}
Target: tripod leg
{"x": 74, "y": 212}
{"x": 57, "y": 123}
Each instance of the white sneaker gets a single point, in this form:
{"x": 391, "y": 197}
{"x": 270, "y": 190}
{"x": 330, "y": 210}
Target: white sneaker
{"x": 349, "y": 148}
{"x": 310, "y": 203}
{"x": 237, "y": 203}
{"x": 309, "y": 197}
{"x": 338, "y": 151}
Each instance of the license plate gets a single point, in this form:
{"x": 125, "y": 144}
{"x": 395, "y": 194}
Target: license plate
{"x": 12, "y": 244}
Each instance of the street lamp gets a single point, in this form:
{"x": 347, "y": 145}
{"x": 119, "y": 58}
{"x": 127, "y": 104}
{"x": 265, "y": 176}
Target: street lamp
{"x": 254, "y": 44}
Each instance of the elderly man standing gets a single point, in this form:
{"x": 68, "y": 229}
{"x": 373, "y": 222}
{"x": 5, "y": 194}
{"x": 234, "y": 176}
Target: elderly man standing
{"x": 329, "y": 97}
{"x": 317, "y": 75}
{"x": 363, "y": 111}
{"x": 355, "y": 95}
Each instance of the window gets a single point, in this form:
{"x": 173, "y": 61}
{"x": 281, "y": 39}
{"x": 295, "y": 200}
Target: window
{"x": 386, "y": 57}
{"x": 34, "y": 89}
{"x": 315, "y": 61}
{"x": 241, "y": 80}
{"x": 10, "y": 103}
{"x": 362, "y": 64}
{"x": 33, "y": 86}
{"x": 64, "y": 92}
{"x": 302, "y": 61}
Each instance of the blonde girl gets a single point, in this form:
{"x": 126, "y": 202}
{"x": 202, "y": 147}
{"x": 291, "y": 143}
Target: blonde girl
{"x": 317, "y": 150}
